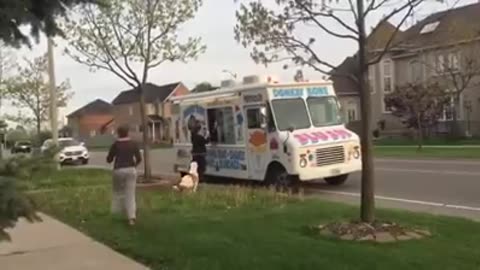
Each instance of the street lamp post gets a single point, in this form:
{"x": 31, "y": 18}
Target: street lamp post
{"x": 53, "y": 92}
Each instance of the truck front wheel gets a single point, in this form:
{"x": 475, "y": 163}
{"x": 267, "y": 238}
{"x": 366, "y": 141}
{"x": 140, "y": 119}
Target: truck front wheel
{"x": 336, "y": 180}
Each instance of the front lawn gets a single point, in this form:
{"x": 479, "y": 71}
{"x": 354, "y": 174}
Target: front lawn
{"x": 427, "y": 152}
{"x": 238, "y": 228}
{"x": 66, "y": 177}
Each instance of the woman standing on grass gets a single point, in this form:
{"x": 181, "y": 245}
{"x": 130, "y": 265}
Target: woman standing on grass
{"x": 125, "y": 154}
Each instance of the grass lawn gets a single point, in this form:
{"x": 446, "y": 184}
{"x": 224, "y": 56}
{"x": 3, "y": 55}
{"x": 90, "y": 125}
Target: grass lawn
{"x": 441, "y": 153}
{"x": 67, "y": 177}
{"x": 237, "y": 228}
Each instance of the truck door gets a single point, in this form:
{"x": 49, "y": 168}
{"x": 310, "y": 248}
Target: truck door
{"x": 256, "y": 141}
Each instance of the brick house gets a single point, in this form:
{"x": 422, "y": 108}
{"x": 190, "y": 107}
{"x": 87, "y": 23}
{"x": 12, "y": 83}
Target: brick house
{"x": 126, "y": 110}
{"x": 442, "y": 44}
{"x": 91, "y": 120}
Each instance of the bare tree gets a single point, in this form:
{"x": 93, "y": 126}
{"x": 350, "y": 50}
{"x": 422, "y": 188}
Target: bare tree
{"x": 126, "y": 33}
{"x": 7, "y": 64}
{"x": 419, "y": 105}
{"x": 459, "y": 71}
{"x": 274, "y": 36}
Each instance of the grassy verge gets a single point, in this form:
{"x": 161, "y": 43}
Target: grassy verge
{"x": 439, "y": 153}
{"x": 237, "y": 228}
{"x": 67, "y": 177}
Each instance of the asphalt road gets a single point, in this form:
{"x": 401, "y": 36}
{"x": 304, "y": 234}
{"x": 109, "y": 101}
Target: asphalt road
{"x": 432, "y": 183}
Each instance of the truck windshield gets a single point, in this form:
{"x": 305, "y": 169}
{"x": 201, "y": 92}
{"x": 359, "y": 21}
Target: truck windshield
{"x": 290, "y": 113}
{"x": 324, "y": 111}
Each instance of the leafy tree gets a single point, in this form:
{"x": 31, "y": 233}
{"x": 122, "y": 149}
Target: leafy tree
{"x": 39, "y": 15}
{"x": 17, "y": 134}
{"x": 13, "y": 205}
{"x": 273, "y": 35}
{"x": 29, "y": 90}
{"x": 203, "y": 87}
{"x": 15, "y": 174}
{"x": 419, "y": 105}
{"x": 127, "y": 34}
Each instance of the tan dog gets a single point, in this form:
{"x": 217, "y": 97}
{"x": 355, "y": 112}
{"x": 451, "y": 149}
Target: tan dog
{"x": 190, "y": 180}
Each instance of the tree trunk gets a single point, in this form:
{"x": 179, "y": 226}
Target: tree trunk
{"x": 39, "y": 128}
{"x": 419, "y": 133}
{"x": 145, "y": 142}
{"x": 367, "y": 212}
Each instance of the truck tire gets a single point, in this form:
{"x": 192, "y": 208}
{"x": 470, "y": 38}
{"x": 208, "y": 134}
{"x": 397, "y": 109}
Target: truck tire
{"x": 336, "y": 180}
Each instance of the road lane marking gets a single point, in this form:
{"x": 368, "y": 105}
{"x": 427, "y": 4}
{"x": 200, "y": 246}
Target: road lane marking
{"x": 385, "y": 198}
{"x": 387, "y": 169}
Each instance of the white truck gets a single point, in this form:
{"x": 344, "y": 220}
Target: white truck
{"x": 267, "y": 131}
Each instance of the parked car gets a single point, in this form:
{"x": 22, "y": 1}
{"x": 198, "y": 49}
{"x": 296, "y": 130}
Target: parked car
{"x": 21, "y": 147}
{"x": 71, "y": 151}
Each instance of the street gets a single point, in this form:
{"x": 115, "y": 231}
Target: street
{"x": 453, "y": 185}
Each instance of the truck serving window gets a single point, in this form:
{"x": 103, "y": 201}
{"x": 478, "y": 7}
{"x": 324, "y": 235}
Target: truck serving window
{"x": 221, "y": 125}
{"x": 324, "y": 111}
{"x": 290, "y": 113}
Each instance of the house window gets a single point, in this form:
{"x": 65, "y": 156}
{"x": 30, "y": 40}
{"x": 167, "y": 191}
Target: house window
{"x": 447, "y": 114}
{"x": 130, "y": 110}
{"x": 351, "y": 113}
{"x": 453, "y": 63}
{"x": 387, "y": 76}
{"x": 221, "y": 125}
{"x": 440, "y": 64}
{"x": 387, "y": 81}
{"x": 371, "y": 78}
{"x": 415, "y": 73}
{"x": 429, "y": 28}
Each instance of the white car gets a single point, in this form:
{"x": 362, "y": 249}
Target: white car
{"x": 72, "y": 151}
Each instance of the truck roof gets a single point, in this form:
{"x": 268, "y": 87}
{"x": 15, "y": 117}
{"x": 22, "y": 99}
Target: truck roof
{"x": 231, "y": 91}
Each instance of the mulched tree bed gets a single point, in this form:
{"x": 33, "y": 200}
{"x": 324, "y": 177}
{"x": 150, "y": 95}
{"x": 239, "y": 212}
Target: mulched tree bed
{"x": 378, "y": 231}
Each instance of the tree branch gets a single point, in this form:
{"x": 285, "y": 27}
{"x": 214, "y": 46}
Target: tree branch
{"x": 397, "y": 29}
{"x": 319, "y": 24}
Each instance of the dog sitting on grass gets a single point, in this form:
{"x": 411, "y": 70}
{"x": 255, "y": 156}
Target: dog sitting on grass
{"x": 189, "y": 182}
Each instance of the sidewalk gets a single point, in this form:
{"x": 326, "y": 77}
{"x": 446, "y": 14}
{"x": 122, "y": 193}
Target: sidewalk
{"x": 51, "y": 245}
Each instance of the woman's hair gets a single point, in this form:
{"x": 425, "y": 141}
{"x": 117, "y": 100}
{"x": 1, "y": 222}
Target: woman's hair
{"x": 122, "y": 131}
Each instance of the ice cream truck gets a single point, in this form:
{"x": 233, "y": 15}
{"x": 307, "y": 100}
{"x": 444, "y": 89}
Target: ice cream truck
{"x": 268, "y": 131}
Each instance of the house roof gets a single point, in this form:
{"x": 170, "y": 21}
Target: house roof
{"x": 454, "y": 25}
{"x": 152, "y": 92}
{"x": 381, "y": 35}
{"x": 341, "y": 83}
{"x": 97, "y": 106}
{"x": 376, "y": 40}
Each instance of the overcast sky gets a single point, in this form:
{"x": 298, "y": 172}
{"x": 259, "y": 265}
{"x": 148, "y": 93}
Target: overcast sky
{"x": 214, "y": 23}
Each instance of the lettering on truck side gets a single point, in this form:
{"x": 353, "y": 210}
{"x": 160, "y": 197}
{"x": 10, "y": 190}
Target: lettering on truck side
{"x": 288, "y": 92}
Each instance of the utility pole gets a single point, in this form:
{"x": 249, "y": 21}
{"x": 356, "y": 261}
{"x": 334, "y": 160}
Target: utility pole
{"x": 53, "y": 92}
